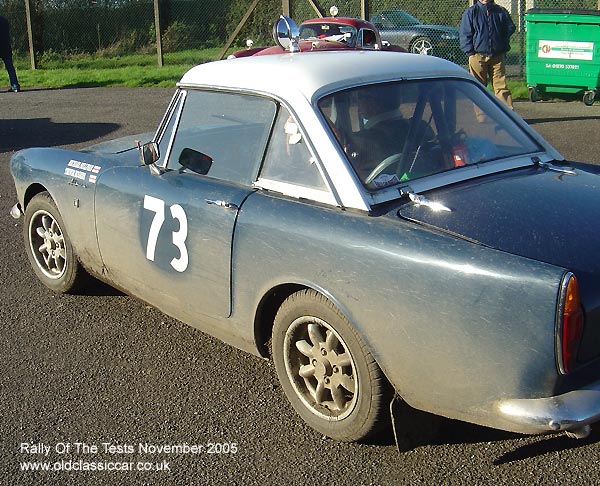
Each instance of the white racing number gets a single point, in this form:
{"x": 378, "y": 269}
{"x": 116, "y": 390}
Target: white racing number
{"x": 157, "y": 206}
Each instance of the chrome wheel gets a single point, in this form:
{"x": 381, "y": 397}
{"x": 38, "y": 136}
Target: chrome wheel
{"x": 320, "y": 368}
{"x": 47, "y": 244}
{"x": 422, "y": 46}
{"x": 328, "y": 374}
{"x": 49, "y": 249}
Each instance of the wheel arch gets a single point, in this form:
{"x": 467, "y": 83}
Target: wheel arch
{"x": 32, "y": 191}
{"x": 271, "y": 302}
{"x": 266, "y": 311}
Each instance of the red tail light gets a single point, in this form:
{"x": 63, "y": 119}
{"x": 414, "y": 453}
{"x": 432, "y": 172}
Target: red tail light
{"x": 569, "y": 324}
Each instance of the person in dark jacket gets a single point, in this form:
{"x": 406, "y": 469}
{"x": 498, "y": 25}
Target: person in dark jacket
{"x": 6, "y": 54}
{"x": 485, "y": 30}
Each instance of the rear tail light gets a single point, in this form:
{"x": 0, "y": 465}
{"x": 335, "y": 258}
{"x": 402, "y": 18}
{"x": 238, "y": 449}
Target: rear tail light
{"x": 569, "y": 325}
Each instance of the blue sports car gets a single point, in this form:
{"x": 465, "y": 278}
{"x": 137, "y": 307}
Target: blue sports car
{"x": 388, "y": 233}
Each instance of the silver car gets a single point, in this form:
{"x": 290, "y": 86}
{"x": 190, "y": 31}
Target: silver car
{"x": 375, "y": 222}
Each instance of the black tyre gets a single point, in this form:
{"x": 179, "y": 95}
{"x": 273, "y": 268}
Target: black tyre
{"x": 49, "y": 249}
{"x": 589, "y": 97}
{"x": 327, "y": 373}
{"x": 533, "y": 94}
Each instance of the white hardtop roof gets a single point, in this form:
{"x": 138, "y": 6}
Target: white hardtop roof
{"x": 312, "y": 74}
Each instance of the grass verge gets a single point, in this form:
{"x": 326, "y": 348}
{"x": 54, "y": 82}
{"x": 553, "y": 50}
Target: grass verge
{"x": 132, "y": 70}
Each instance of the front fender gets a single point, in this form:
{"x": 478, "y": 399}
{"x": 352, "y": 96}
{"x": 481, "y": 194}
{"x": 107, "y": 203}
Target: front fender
{"x": 70, "y": 178}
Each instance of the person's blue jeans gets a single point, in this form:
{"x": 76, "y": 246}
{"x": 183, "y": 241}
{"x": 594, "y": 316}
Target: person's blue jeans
{"x": 12, "y": 74}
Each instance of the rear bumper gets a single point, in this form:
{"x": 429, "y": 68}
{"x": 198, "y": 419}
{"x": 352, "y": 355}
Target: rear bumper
{"x": 572, "y": 412}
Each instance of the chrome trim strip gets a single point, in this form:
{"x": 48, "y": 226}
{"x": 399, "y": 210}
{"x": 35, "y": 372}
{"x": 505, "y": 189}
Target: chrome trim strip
{"x": 296, "y": 191}
{"x": 177, "y": 114}
{"x": 461, "y": 174}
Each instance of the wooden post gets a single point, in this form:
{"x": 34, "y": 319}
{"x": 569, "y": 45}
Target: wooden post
{"x": 285, "y": 7}
{"x": 159, "y": 51}
{"x": 237, "y": 29}
{"x": 315, "y": 8}
{"x": 364, "y": 9}
{"x": 30, "y": 34}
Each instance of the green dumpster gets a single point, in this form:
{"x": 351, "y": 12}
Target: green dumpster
{"x": 563, "y": 52}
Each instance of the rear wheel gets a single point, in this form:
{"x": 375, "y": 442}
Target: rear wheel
{"x": 329, "y": 376}
{"x": 48, "y": 247}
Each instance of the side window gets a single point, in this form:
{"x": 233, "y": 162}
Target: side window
{"x": 368, "y": 40}
{"x": 288, "y": 159}
{"x": 222, "y": 135}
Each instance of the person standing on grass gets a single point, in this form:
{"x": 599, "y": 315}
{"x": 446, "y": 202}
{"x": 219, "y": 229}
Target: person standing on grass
{"x": 6, "y": 54}
{"x": 485, "y": 30}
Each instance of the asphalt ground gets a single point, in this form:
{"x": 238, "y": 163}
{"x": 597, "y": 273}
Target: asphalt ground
{"x": 92, "y": 376}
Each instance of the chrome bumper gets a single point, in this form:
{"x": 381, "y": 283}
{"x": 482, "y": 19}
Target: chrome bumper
{"x": 572, "y": 412}
{"x": 16, "y": 211}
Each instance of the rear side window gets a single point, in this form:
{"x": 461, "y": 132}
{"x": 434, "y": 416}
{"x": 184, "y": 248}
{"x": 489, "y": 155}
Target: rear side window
{"x": 288, "y": 159}
{"x": 222, "y": 135}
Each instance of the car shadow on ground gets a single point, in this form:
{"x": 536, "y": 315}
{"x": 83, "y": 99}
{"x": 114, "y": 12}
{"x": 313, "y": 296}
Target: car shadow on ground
{"x": 98, "y": 288}
{"x": 43, "y": 132}
{"x": 533, "y": 121}
{"x": 546, "y": 445}
{"x": 416, "y": 429}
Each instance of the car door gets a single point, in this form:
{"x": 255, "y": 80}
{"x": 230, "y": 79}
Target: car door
{"x": 166, "y": 235}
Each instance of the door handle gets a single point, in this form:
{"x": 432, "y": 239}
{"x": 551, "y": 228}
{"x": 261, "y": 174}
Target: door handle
{"x": 222, "y": 204}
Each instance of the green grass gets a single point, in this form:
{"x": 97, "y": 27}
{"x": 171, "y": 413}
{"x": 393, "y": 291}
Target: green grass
{"x": 132, "y": 70}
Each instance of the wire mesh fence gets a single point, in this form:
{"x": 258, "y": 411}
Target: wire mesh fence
{"x": 122, "y": 27}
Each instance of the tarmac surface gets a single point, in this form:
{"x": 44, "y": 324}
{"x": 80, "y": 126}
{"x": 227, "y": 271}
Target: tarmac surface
{"x": 105, "y": 379}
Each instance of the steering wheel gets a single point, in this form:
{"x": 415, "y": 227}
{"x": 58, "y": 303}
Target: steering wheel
{"x": 384, "y": 164}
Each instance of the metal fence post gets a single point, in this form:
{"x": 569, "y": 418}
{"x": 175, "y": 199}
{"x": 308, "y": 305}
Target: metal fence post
{"x": 285, "y": 7}
{"x": 522, "y": 8}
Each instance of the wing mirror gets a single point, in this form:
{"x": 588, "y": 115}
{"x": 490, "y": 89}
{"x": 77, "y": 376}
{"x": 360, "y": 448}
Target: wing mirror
{"x": 286, "y": 34}
{"x": 149, "y": 153}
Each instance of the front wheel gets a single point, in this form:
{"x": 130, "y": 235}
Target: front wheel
{"x": 48, "y": 247}
{"x": 423, "y": 46}
{"x": 329, "y": 376}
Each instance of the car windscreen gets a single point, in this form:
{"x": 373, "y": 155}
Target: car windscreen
{"x": 330, "y": 32}
{"x": 405, "y": 130}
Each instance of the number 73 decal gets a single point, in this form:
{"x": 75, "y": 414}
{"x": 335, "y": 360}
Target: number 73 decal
{"x": 157, "y": 206}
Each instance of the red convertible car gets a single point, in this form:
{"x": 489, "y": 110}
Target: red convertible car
{"x": 326, "y": 34}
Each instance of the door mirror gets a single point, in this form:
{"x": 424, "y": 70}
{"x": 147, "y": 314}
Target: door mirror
{"x": 149, "y": 153}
